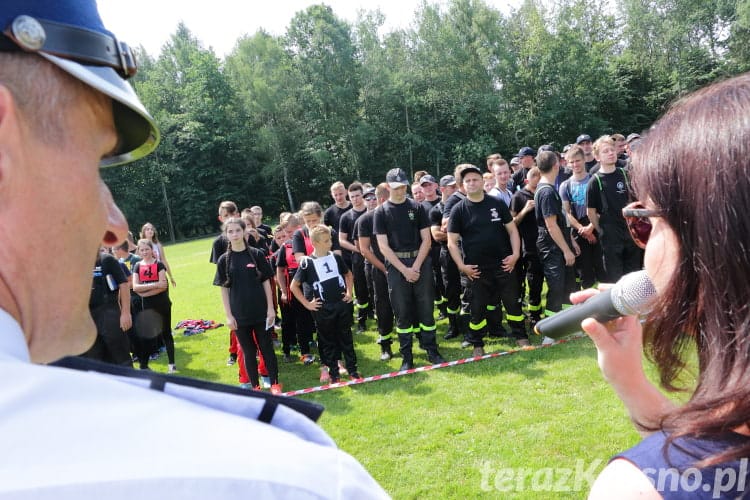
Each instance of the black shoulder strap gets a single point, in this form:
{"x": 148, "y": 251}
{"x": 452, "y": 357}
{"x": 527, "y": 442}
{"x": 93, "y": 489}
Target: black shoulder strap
{"x": 159, "y": 381}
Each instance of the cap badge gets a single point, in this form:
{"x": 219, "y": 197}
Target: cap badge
{"x": 28, "y": 32}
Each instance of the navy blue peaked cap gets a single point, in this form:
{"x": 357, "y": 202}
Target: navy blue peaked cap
{"x": 70, "y": 34}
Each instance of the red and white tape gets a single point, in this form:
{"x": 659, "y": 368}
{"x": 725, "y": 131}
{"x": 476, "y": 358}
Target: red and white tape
{"x": 401, "y": 373}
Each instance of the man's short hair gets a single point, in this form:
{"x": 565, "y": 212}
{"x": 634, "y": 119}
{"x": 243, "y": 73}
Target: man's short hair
{"x": 229, "y": 206}
{"x": 293, "y": 221}
{"x": 382, "y": 191}
{"x": 546, "y": 161}
{"x": 605, "y": 139}
{"x": 317, "y": 232}
{"x": 336, "y": 185}
{"x": 575, "y": 150}
{"x": 460, "y": 168}
{"x": 355, "y": 186}
{"x": 499, "y": 162}
{"x": 43, "y": 93}
{"x": 618, "y": 137}
{"x": 533, "y": 173}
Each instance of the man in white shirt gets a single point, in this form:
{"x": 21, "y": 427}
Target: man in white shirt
{"x": 69, "y": 433}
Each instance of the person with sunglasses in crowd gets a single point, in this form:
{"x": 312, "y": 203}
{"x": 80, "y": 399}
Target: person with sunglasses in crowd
{"x": 696, "y": 256}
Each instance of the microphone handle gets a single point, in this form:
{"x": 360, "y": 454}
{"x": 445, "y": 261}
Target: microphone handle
{"x": 568, "y": 321}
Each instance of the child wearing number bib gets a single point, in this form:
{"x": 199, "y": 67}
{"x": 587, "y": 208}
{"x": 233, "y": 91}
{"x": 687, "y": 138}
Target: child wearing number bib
{"x": 323, "y": 284}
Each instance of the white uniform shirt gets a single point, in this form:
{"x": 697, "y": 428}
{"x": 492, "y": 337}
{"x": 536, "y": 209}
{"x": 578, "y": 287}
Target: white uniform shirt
{"x": 68, "y": 434}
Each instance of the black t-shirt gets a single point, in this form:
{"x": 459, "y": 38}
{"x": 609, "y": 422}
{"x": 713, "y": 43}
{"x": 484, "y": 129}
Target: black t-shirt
{"x": 346, "y": 225}
{"x": 332, "y": 216}
{"x": 436, "y": 219}
{"x": 364, "y": 229}
{"x": 428, "y": 206}
{"x": 298, "y": 240}
{"x": 149, "y": 273}
{"x": 401, "y": 223}
{"x": 218, "y": 248}
{"x": 527, "y": 227}
{"x": 108, "y": 276}
{"x": 590, "y": 164}
{"x": 451, "y": 202}
{"x": 323, "y": 277}
{"x": 482, "y": 228}
{"x": 247, "y": 298}
{"x": 611, "y": 198}
{"x": 548, "y": 204}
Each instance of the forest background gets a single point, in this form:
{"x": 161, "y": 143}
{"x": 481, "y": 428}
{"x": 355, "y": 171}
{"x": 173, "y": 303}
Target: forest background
{"x": 280, "y": 118}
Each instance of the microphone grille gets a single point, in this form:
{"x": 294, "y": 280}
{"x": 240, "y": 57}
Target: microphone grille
{"x": 633, "y": 294}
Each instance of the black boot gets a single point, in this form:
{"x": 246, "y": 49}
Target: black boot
{"x": 385, "y": 350}
{"x": 430, "y": 344}
{"x": 405, "y": 342}
{"x": 452, "y": 327}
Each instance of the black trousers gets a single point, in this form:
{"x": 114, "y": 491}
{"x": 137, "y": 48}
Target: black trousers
{"x": 383, "y": 308}
{"x": 492, "y": 287}
{"x": 361, "y": 291}
{"x": 334, "y": 323}
{"x": 437, "y": 276}
{"x": 112, "y": 345}
{"x": 620, "y": 254}
{"x": 254, "y": 338}
{"x": 296, "y": 326}
{"x": 557, "y": 274}
{"x": 451, "y": 281}
{"x": 589, "y": 263}
{"x": 530, "y": 270}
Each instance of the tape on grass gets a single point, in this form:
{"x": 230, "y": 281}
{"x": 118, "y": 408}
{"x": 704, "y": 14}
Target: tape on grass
{"x": 472, "y": 359}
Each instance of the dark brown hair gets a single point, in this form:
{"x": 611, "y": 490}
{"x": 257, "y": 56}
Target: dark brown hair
{"x": 694, "y": 166}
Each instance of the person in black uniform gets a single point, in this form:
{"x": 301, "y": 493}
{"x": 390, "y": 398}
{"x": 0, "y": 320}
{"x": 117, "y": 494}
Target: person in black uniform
{"x": 368, "y": 245}
{"x": 352, "y": 257}
{"x": 608, "y": 192}
{"x": 491, "y": 248}
{"x": 109, "y": 305}
{"x": 227, "y": 210}
{"x": 403, "y": 234}
{"x": 553, "y": 242}
{"x": 449, "y": 273}
{"x": 529, "y": 266}
{"x": 327, "y": 294}
{"x": 340, "y": 205}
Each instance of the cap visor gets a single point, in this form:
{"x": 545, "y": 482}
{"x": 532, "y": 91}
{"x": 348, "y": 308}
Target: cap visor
{"x": 136, "y": 129}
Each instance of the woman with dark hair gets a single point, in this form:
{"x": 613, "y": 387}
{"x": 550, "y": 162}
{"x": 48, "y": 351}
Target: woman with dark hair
{"x": 691, "y": 174}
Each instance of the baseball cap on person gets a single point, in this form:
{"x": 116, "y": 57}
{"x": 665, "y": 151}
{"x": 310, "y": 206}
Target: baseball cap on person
{"x": 583, "y": 138}
{"x": 447, "y": 180}
{"x": 426, "y": 179}
{"x": 630, "y": 138}
{"x": 396, "y": 178}
{"x": 70, "y": 34}
{"x": 469, "y": 169}
{"x": 546, "y": 147}
{"x": 368, "y": 193}
{"x": 526, "y": 151}
{"x": 515, "y": 160}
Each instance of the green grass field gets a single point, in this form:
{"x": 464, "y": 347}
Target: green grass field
{"x": 534, "y": 424}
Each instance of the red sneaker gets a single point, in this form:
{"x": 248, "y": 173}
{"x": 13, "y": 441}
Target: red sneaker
{"x": 276, "y": 389}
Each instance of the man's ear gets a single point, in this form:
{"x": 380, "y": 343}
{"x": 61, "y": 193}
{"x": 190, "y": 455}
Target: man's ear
{"x": 9, "y": 131}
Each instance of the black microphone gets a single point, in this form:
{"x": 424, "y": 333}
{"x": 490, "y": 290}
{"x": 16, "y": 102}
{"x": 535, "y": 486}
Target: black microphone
{"x": 632, "y": 295}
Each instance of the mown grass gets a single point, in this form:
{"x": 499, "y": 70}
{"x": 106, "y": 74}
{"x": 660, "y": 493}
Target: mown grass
{"x": 455, "y": 432}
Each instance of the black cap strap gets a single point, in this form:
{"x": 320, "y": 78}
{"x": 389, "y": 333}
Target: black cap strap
{"x": 69, "y": 42}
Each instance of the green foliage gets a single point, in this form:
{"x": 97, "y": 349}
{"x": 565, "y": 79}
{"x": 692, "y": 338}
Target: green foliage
{"x": 284, "y": 116}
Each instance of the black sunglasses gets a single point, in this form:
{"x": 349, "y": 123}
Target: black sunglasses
{"x": 637, "y": 219}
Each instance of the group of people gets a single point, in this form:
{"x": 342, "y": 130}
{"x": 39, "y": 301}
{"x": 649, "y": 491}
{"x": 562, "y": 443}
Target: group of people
{"x": 470, "y": 245}
{"x": 128, "y": 280}
{"x": 66, "y": 110}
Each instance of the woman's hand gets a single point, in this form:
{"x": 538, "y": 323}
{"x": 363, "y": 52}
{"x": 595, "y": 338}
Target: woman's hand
{"x": 619, "y": 343}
